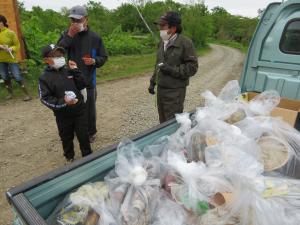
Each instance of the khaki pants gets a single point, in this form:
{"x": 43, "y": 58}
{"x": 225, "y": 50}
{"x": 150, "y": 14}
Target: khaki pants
{"x": 169, "y": 102}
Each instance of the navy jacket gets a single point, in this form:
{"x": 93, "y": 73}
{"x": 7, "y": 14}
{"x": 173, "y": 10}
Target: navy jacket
{"x": 53, "y": 84}
{"x": 85, "y": 43}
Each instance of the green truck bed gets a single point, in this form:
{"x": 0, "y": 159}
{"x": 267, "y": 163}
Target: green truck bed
{"x": 33, "y": 201}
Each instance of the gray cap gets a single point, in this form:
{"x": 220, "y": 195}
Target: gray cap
{"x": 77, "y": 12}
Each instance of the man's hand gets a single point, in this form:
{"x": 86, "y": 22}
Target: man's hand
{"x": 89, "y": 61}
{"x": 72, "y": 65}
{"x": 151, "y": 89}
{"x": 73, "y": 29}
{"x": 166, "y": 69}
{"x": 70, "y": 101}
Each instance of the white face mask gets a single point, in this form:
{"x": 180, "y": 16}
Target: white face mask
{"x": 81, "y": 27}
{"x": 164, "y": 35}
{"x": 58, "y": 62}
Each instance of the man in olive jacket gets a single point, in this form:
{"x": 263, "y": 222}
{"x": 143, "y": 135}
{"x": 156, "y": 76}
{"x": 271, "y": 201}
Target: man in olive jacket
{"x": 176, "y": 62}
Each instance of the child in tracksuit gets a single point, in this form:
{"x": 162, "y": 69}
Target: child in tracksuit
{"x": 63, "y": 90}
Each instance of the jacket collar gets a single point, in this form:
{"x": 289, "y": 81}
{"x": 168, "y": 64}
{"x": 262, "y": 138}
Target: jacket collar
{"x": 176, "y": 43}
{"x": 3, "y": 29}
{"x": 49, "y": 68}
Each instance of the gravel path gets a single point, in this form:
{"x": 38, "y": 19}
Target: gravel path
{"x": 29, "y": 142}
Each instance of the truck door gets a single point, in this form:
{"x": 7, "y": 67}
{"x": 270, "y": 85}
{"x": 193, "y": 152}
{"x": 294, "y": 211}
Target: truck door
{"x": 273, "y": 60}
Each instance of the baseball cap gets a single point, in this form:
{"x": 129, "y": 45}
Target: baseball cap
{"x": 170, "y": 18}
{"x": 51, "y": 48}
{"x": 77, "y": 12}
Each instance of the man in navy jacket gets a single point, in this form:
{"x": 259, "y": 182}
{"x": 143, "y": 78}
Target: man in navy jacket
{"x": 86, "y": 48}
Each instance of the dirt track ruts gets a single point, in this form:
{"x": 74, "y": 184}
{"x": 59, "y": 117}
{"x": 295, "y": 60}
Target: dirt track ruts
{"x": 29, "y": 143}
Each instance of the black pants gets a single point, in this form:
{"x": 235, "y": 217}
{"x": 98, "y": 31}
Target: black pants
{"x": 70, "y": 123}
{"x": 91, "y": 110}
{"x": 169, "y": 102}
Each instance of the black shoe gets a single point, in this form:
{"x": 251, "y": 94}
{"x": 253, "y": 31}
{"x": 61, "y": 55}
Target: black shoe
{"x": 92, "y": 138}
{"x": 69, "y": 161}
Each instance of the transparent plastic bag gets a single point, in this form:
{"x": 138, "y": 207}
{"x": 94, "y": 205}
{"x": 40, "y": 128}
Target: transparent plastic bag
{"x": 137, "y": 205}
{"x": 195, "y": 185}
{"x": 168, "y": 212}
{"x": 251, "y": 205}
{"x": 157, "y": 149}
{"x": 130, "y": 163}
{"x": 85, "y": 206}
{"x": 279, "y": 144}
{"x": 225, "y": 106}
{"x": 176, "y": 140}
{"x": 233, "y": 160}
{"x": 134, "y": 184}
{"x": 264, "y": 103}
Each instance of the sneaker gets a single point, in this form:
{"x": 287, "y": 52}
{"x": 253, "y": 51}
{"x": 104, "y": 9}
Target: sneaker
{"x": 92, "y": 138}
{"x": 27, "y": 98}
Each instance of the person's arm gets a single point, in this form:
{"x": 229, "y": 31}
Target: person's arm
{"x": 16, "y": 44}
{"x": 47, "y": 97}
{"x": 188, "y": 68}
{"x": 101, "y": 54}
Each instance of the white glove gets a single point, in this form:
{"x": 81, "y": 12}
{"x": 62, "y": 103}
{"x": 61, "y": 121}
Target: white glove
{"x": 84, "y": 94}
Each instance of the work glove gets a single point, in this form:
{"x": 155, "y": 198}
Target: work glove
{"x": 151, "y": 89}
{"x": 166, "y": 69}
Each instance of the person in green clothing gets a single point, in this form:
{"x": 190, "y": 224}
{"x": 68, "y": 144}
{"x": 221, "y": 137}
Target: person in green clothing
{"x": 9, "y": 46}
{"x": 176, "y": 62}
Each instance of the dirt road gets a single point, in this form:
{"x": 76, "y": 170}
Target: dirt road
{"x": 29, "y": 143}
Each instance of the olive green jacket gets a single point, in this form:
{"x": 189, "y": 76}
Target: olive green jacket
{"x": 182, "y": 57}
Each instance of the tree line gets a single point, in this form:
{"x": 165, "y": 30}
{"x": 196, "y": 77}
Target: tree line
{"x": 124, "y": 32}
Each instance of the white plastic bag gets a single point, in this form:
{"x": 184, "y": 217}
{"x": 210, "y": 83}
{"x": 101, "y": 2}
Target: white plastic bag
{"x": 264, "y": 103}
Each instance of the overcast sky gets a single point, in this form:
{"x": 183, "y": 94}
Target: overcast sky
{"x": 241, "y": 7}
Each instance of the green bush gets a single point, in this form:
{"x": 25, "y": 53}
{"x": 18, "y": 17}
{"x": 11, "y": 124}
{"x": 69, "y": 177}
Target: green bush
{"x": 122, "y": 43}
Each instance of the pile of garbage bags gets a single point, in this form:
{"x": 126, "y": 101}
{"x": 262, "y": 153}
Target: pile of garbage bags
{"x": 229, "y": 163}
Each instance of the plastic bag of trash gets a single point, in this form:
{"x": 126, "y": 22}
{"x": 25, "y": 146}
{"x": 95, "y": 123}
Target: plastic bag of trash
{"x": 176, "y": 140}
{"x": 133, "y": 185}
{"x": 252, "y": 206}
{"x": 88, "y": 205}
{"x": 217, "y": 132}
{"x": 279, "y": 144}
{"x": 157, "y": 149}
{"x": 264, "y": 103}
{"x": 230, "y": 92}
{"x": 168, "y": 212}
{"x": 226, "y": 106}
{"x": 195, "y": 185}
{"x": 232, "y": 159}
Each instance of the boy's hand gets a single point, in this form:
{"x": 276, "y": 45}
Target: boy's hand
{"x": 70, "y": 101}
{"x": 72, "y": 65}
{"x": 49, "y": 61}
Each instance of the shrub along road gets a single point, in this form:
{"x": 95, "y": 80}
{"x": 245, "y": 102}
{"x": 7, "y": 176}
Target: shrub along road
{"x": 29, "y": 143}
